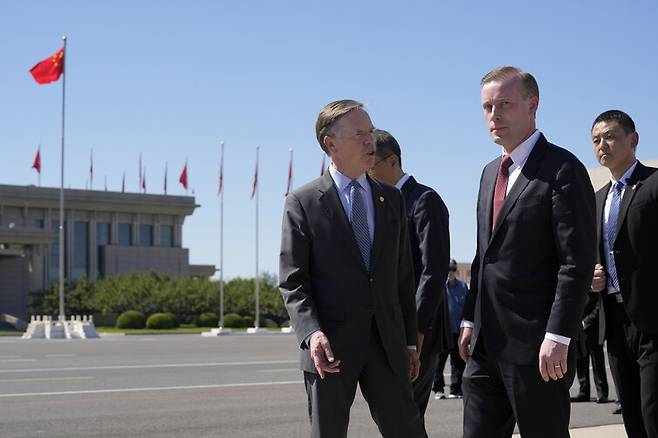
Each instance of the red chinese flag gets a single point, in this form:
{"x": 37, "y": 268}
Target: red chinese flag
{"x": 50, "y": 69}
{"x": 183, "y": 177}
{"x": 37, "y": 161}
{"x": 255, "y": 186}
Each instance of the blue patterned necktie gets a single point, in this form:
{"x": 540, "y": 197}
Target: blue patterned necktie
{"x": 360, "y": 222}
{"x": 611, "y": 230}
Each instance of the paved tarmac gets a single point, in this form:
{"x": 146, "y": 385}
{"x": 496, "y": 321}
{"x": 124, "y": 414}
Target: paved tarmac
{"x": 187, "y": 385}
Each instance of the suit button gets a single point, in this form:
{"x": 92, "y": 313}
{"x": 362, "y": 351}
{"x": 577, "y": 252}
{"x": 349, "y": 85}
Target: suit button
{"x": 371, "y": 280}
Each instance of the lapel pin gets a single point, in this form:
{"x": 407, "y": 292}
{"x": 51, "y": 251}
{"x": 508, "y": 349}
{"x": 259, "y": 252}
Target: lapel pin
{"x": 381, "y": 199}
{"x": 634, "y": 186}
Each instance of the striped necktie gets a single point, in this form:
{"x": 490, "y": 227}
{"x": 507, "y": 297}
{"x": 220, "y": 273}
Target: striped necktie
{"x": 611, "y": 230}
{"x": 360, "y": 222}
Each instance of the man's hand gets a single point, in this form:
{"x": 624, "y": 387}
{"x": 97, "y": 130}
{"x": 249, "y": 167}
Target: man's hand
{"x": 419, "y": 343}
{"x": 414, "y": 364}
{"x": 599, "y": 280}
{"x": 552, "y": 360}
{"x": 465, "y": 343}
{"x": 322, "y": 356}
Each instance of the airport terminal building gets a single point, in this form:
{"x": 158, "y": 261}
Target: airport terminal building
{"x": 106, "y": 233}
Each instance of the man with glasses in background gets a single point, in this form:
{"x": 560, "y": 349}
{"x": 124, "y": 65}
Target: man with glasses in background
{"x": 427, "y": 219}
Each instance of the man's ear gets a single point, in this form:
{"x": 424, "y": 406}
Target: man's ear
{"x": 534, "y": 104}
{"x": 635, "y": 140}
{"x": 328, "y": 143}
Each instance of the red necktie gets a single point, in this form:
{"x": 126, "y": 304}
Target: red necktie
{"x": 501, "y": 187}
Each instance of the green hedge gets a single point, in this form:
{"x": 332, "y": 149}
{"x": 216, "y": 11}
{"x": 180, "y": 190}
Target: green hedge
{"x": 160, "y": 321}
{"x": 185, "y": 297}
{"x": 233, "y": 320}
{"x": 207, "y": 319}
{"x": 131, "y": 319}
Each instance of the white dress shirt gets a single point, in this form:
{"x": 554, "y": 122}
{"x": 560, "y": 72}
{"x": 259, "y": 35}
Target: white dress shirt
{"x": 403, "y": 179}
{"x": 519, "y": 157}
{"x": 342, "y": 184}
{"x": 610, "y": 259}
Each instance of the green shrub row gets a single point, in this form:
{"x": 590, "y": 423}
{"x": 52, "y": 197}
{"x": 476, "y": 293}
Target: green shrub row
{"x": 186, "y": 297}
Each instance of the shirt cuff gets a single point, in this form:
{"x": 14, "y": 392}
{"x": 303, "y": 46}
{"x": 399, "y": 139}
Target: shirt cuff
{"x": 466, "y": 324}
{"x": 411, "y": 347}
{"x": 557, "y": 338}
{"x": 307, "y": 340}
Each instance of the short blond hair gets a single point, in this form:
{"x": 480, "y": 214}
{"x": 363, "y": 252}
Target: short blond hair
{"x": 330, "y": 114}
{"x": 530, "y": 87}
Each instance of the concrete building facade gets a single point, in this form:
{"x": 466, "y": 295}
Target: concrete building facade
{"x": 106, "y": 233}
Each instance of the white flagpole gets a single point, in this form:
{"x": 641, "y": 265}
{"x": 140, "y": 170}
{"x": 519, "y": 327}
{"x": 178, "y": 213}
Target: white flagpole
{"x": 221, "y": 240}
{"x": 257, "y": 279}
{"x": 62, "y": 252}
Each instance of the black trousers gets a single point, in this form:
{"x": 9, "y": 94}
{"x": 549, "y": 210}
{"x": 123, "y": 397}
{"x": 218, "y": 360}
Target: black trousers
{"x": 499, "y": 394}
{"x": 423, "y": 384}
{"x": 389, "y": 397}
{"x": 456, "y": 369}
{"x": 633, "y": 357}
{"x": 595, "y": 352}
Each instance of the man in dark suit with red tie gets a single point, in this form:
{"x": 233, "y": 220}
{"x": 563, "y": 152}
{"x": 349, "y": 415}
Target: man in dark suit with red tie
{"x": 427, "y": 220}
{"x": 536, "y": 248}
{"x": 625, "y": 278}
{"x": 347, "y": 281}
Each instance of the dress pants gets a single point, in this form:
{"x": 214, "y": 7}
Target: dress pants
{"x": 595, "y": 352}
{"x": 389, "y": 397}
{"x": 456, "y": 369}
{"x": 633, "y": 357}
{"x": 498, "y": 394}
{"x": 423, "y": 384}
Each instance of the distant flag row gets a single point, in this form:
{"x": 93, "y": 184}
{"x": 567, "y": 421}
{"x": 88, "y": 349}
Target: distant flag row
{"x": 183, "y": 179}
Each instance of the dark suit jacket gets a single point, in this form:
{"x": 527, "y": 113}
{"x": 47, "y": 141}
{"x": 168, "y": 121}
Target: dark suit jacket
{"x": 530, "y": 274}
{"x": 326, "y": 286}
{"x": 635, "y": 247}
{"x": 427, "y": 221}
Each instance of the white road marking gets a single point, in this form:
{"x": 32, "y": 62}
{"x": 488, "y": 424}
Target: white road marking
{"x": 157, "y": 388}
{"x": 134, "y": 367}
{"x": 61, "y": 355}
{"x": 17, "y": 360}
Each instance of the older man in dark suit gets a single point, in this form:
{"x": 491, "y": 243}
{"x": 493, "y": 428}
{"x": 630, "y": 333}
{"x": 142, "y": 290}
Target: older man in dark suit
{"x": 347, "y": 282}
{"x": 627, "y": 224}
{"x": 427, "y": 218}
{"x": 535, "y": 256}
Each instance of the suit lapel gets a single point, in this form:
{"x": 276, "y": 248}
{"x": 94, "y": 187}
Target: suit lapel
{"x": 379, "y": 203}
{"x": 600, "y": 204}
{"x": 527, "y": 173}
{"x": 487, "y": 190}
{"x": 335, "y": 213}
{"x": 634, "y": 183}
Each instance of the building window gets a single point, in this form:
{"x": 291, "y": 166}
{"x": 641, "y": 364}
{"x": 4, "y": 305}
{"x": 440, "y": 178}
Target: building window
{"x": 103, "y": 237}
{"x": 53, "y": 253}
{"x": 125, "y": 234}
{"x": 80, "y": 251}
{"x": 146, "y": 235}
{"x": 166, "y": 235}
{"x": 38, "y": 223}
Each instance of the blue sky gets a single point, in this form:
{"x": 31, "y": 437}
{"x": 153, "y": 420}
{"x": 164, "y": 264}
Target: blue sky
{"x": 173, "y": 79}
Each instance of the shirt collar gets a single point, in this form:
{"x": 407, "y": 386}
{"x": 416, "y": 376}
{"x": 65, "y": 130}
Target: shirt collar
{"x": 521, "y": 153}
{"x": 402, "y": 180}
{"x": 624, "y": 178}
{"x": 343, "y": 181}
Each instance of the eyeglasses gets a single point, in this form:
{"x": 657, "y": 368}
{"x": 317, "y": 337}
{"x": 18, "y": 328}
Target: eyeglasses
{"x": 379, "y": 161}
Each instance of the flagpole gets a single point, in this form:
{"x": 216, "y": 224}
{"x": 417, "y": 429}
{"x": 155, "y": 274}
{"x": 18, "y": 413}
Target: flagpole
{"x": 91, "y": 169}
{"x": 39, "y": 172}
{"x": 257, "y": 280}
{"x": 221, "y": 241}
{"x": 62, "y": 315}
